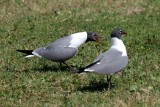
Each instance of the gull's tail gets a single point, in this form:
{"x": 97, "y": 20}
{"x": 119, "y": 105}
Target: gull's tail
{"x": 80, "y": 70}
{"x": 28, "y": 52}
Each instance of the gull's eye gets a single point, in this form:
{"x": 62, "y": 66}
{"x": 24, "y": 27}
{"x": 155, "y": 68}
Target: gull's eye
{"x": 94, "y": 35}
{"x": 120, "y": 31}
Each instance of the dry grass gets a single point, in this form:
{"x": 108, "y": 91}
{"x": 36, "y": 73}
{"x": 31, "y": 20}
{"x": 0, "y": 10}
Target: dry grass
{"x": 12, "y": 8}
{"x": 28, "y": 24}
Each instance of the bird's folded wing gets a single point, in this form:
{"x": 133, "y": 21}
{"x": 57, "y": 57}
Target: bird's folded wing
{"x": 56, "y": 53}
{"x": 110, "y": 54}
{"x": 62, "y": 42}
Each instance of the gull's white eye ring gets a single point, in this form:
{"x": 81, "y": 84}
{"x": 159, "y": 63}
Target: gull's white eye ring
{"x": 120, "y": 31}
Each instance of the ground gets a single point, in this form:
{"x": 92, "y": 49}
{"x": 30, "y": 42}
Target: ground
{"x": 28, "y": 24}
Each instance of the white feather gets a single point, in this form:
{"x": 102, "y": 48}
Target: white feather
{"x": 36, "y": 54}
{"x": 28, "y": 56}
{"x": 89, "y": 70}
{"x": 98, "y": 63}
{"x": 78, "y": 39}
{"x": 118, "y": 45}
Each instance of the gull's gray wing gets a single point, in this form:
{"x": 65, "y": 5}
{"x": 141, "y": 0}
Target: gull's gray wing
{"x": 109, "y": 62}
{"x": 62, "y": 42}
{"x": 57, "y": 54}
{"x": 110, "y": 52}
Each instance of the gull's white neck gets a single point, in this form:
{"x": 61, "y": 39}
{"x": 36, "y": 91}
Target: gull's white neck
{"x": 118, "y": 45}
{"x": 77, "y": 39}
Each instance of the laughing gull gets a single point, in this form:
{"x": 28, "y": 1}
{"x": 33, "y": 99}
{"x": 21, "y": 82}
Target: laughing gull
{"x": 64, "y": 48}
{"x": 111, "y": 61}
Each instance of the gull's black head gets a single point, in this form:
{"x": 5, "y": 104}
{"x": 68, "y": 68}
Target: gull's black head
{"x": 92, "y": 36}
{"x": 117, "y": 33}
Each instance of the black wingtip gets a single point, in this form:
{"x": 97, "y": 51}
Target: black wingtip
{"x": 78, "y": 71}
{"x": 28, "y": 52}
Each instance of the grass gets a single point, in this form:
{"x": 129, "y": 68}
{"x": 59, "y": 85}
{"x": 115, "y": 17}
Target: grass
{"x": 39, "y": 82}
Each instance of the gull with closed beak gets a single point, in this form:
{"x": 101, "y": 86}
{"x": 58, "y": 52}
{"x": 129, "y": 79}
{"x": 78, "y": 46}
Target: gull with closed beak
{"x": 111, "y": 61}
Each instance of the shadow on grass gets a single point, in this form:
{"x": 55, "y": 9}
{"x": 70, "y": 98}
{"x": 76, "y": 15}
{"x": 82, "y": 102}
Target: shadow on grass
{"x": 47, "y": 68}
{"x": 96, "y": 86}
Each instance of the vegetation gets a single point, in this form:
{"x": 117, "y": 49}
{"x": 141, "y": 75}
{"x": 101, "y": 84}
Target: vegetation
{"x": 28, "y": 24}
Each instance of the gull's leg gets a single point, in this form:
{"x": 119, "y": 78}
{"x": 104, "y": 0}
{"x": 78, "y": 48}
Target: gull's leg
{"x": 60, "y": 64}
{"x": 70, "y": 68}
{"x": 109, "y": 77}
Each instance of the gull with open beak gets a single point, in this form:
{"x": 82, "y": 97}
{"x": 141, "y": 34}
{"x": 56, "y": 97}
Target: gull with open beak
{"x": 64, "y": 48}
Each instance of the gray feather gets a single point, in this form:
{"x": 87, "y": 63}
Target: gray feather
{"x": 62, "y": 42}
{"x": 56, "y": 54}
{"x": 110, "y": 62}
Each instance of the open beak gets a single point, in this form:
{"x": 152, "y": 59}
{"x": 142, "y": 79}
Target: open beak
{"x": 103, "y": 38}
{"x": 125, "y": 33}
{"x": 97, "y": 40}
